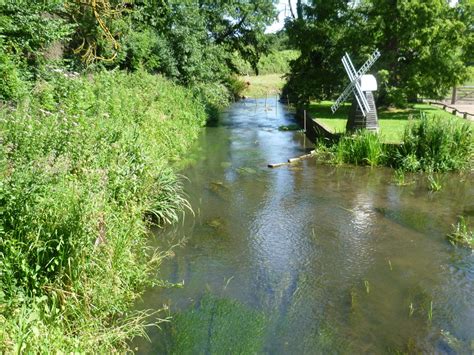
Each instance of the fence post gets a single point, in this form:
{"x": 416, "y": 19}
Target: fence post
{"x": 304, "y": 119}
{"x": 453, "y": 96}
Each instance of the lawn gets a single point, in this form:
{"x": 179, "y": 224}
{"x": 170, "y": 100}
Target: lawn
{"x": 262, "y": 85}
{"x": 392, "y": 122}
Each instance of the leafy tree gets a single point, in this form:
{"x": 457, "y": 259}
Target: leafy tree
{"x": 321, "y": 32}
{"x": 240, "y": 26}
{"x": 424, "y": 46}
{"x": 27, "y": 31}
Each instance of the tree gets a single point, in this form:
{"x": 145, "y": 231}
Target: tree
{"x": 321, "y": 32}
{"x": 424, "y": 46}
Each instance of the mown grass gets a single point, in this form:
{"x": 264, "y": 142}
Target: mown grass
{"x": 85, "y": 168}
{"x": 263, "y": 85}
{"x": 392, "y": 122}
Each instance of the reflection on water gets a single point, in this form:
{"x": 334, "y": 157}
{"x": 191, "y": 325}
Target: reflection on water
{"x": 337, "y": 259}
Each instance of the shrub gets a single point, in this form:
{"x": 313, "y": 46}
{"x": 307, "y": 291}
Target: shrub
{"x": 13, "y": 86}
{"x": 276, "y": 62}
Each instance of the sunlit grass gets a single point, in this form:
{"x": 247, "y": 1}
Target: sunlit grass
{"x": 263, "y": 85}
{"x": 392, "y": 122}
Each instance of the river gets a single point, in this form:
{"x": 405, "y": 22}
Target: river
{"x": 309, "y": 258}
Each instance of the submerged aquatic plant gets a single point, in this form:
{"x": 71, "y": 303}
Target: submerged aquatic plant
{"x": 367, "y": 286}
{"x": 461, "y": 234}
{"x": 430, "y": 312}
{"x": 290, "y": 127}
{"x": 216, "y": 325}
{"x": 434, "y": 183}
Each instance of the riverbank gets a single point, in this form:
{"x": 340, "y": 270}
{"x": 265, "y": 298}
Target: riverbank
{"x": 86, "y": 170}
{"x": 392, "y": 122}
{"x": 258, "y": 86}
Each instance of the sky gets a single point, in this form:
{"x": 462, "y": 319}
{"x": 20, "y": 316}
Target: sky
{"x": 282, "y": 7}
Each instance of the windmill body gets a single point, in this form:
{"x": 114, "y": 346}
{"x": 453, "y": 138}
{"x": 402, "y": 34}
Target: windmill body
{"x": 363, "y": 112}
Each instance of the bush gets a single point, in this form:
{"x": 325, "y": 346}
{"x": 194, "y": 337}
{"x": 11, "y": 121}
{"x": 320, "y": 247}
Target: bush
{"x": 276, "y": 62}
{"x": 13, "y": 86}
{"x": 85, "y": 169}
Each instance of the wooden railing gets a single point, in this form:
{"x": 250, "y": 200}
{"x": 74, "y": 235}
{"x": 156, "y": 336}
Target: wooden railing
{"x": 463, "y": 94}
{"x": 452, "y": 109}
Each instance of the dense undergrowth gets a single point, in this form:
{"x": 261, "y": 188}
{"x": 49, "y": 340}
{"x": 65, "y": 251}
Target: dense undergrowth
{"x": 85, "y": 170}
{"x": 430, "y": 144}
{"x": 276, "y": 62}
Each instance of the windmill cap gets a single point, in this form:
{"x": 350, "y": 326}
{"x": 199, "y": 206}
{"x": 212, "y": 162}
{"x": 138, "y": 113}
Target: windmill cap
{"x": 368, "y": 83}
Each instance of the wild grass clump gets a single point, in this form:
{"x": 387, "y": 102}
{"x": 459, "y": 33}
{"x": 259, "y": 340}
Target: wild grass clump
{"x": 84, "y": 171}
{"x": 430, "y": 144}
{"x": 461, "y": 235}
{"x": 436, "y": 144}
{"x": 362, "y": 148}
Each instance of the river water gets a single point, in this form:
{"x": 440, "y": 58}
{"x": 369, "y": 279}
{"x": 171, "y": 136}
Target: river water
{"x": 309, "y": 258}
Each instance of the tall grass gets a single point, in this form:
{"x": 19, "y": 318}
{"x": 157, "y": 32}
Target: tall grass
{"x": 436, "y": 144}
{"x": 430, "y": 144}
{"x": 83, "y": 163}
{"x": 362, "y": 148}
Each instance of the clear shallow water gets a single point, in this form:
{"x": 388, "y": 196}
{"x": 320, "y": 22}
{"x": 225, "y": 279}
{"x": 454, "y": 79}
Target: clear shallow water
{"x": 327, "y": 259}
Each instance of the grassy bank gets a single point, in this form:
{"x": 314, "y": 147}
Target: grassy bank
{"x": 430, "y": 144}
{"x": 85, "y": 170}
{"x": 392, "y": 122}
{"x": 263, "y": 85}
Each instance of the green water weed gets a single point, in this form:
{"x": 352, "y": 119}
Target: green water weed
{"x": 434, "y": 183}
{"x": 461, "y": 235}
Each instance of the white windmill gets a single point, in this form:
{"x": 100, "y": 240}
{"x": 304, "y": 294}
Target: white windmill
{"x": 363, "y": 113}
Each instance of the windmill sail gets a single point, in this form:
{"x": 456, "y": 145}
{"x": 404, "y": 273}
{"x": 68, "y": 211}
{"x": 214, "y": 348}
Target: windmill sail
{"x": 354, "y": 85}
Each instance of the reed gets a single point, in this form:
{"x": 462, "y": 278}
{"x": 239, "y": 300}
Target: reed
{"x": 362, "y": 148}
{"x": 436, "y": 144}
{"x": 430, "y": 144}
